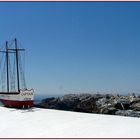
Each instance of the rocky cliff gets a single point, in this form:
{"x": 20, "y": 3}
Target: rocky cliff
{"x": 95, "y": 103}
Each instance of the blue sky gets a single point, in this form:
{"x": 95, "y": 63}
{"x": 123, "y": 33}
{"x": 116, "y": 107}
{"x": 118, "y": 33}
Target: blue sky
{"x": 74, "y": 47}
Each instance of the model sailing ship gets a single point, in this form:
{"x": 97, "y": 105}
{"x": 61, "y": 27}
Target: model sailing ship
{"x": 14, "y": 92}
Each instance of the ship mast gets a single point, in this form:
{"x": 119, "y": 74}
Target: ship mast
{"x": 17, "y": 64}
{"x": 7, "y": 64}
{"x": 16, "y": 51}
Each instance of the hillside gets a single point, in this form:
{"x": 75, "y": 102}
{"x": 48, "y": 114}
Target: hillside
{"x": 47, "y": 123}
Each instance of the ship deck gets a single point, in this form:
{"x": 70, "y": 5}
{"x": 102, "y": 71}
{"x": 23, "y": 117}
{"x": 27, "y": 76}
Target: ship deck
{"x": 10, "y": 93}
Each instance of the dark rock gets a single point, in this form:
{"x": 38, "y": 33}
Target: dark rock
{"x": 101, "y": 102}
{"x": 133, "y": 99}
{"x": 67, "y": 102}
{"x": 98, "y": 96}
{"x": 123, "y": 104}
{"x": 108, "y": 96}
{"x": 87, "y": 104}
{"x": 78, "y": 102}
{"x": 110, "y": 110}
{"x": 136, "y": 106}
{"x": 129, "y": 113}
{"x": 95, "y": 103}
{"x": 49, "y": 102}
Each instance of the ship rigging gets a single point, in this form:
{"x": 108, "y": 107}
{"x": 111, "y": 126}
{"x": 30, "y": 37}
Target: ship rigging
{"x": 14, "y": 92}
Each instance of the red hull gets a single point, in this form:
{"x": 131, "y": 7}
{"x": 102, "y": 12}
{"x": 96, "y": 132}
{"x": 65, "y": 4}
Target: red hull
{"x": 17, "y": 104}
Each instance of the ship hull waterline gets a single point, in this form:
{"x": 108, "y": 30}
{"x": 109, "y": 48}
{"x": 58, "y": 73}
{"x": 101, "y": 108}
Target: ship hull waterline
{"x": 22, "y": 99}
{"x": 17, "y": 104}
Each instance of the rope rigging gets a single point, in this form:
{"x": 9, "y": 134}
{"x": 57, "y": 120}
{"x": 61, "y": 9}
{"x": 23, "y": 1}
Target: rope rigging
{"x": 3, "y": 76}
{"x": 22, "y": 77}
{"x": 12, "y": 63}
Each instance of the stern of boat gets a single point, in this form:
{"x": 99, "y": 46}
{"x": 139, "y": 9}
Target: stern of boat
{"x": 26, "y": 98}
